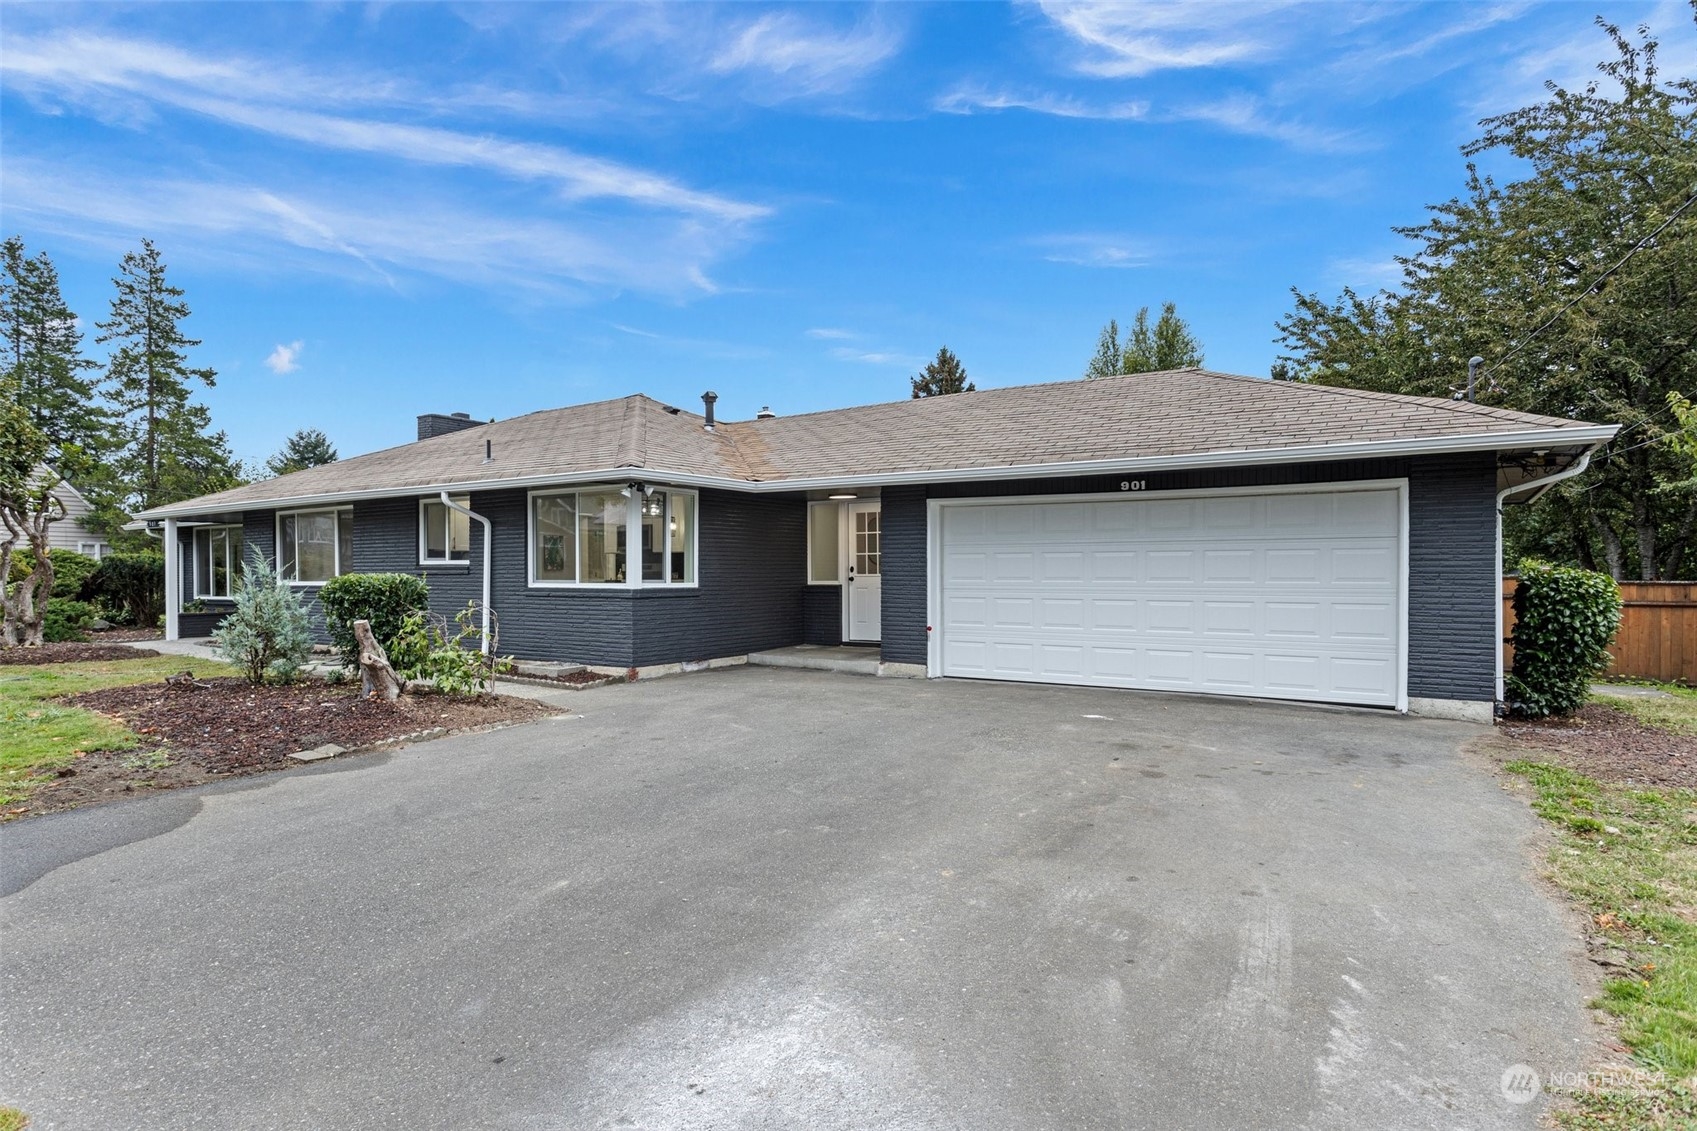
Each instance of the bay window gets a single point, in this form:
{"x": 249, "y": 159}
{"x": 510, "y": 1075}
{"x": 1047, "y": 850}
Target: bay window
{"x": 314, "y": 546}
{"x": 612, "y": 536}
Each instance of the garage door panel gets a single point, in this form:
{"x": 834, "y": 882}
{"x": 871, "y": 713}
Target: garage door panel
{"x": 1292, "y": 595}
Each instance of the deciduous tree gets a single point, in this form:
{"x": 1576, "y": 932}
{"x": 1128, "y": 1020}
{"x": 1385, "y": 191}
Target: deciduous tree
{"x": 1577, "y": 282}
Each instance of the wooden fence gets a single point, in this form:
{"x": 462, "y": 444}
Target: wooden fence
{"x": 1658, "y": 631}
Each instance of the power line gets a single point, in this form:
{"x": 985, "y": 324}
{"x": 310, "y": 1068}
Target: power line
{"x": 1595, "y": 283}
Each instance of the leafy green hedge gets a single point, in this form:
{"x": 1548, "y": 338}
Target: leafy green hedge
{"x": 1565, "y": 619}
{"x": 384, "y": 599}
{"x": 131, "y": 587}
{"x": 65, "y": 620}
{"x": 70, "y": 570}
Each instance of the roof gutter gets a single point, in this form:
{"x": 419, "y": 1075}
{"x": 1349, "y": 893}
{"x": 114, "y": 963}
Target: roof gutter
{"x": 1588, "y": 437}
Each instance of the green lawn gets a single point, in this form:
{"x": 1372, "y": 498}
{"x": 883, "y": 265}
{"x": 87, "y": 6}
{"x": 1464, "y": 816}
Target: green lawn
{"x": 1629, "y": 857}
{"x": 1678, "y": 714}
{"x": 41, "y": 735}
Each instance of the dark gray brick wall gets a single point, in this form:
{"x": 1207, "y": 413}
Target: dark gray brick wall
{"x": 903, "y": 565}
{"x": 753, "y": 571}
{"x": 1453, "y": 582}
{"x": 822, "y": 614}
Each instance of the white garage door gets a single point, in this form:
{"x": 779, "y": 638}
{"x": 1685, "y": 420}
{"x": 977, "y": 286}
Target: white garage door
{"x": 1287, "y": 595}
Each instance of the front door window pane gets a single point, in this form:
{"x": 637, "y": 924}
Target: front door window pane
{"x": 344, "y": 543}
{"x": 866, "y": 545}
{"x": 602, "y": 518}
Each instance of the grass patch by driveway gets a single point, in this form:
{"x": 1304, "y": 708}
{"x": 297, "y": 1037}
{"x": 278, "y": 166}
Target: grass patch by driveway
{"x": 1626, "y": 852}
{"x": 1676, "y": 712}
{"x": 43, "y": 736}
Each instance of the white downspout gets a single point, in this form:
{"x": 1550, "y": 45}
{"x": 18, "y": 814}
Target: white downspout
{"x": 173, "y": 581}
{"x": 1540, "y": 485}
{"x": 488, "y": 549}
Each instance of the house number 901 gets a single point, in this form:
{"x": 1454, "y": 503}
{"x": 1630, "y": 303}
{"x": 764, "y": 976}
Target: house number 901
{"x": 1131, "y": 484}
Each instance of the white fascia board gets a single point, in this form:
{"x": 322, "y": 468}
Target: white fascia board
{"x": 1308, "y": 453}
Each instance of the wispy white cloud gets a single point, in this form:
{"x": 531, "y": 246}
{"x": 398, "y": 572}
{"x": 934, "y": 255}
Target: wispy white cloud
{"x": 1094, "y": 249}
{"x": 285, "y": 358}
{"x": 1249, "y": 115}
{"x": 876, "y": 357}
{"x": 361, "y": 230}
{"x": 972, "y": 99}
{"x": 811, "y": 58}
{"x": 830, "y": 334}
{"x": 1119, "y": 40}
{"x": 93, "y": 69}
{"x": 696, "y": 347}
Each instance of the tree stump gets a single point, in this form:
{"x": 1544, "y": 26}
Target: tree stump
{"x": 377, "y": 677}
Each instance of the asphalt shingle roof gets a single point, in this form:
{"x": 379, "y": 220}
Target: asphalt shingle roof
{"x": 1177, "y": 413}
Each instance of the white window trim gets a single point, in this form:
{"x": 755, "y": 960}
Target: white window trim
{"x": 97, "y": 550}
{"x": 200, "y": 593}
{"x": 633, "y": 578}
{"x": 424, "y": 558}
{"x": 842, "y": 542}
{"x": 277, "y": 543}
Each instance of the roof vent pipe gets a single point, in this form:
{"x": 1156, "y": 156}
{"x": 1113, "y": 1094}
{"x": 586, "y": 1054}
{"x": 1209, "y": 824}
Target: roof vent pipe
{"x": 765, "y": 413}
{"x": 488, "y": 451}
{"x": 1473, "y": 364}
{"x": 708, "y": 398}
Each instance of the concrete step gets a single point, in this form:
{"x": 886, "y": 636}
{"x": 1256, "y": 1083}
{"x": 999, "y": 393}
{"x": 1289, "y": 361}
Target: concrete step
{"x": 854, "y": 661}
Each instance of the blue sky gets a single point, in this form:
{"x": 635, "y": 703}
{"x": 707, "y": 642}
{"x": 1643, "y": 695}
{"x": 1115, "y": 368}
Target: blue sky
{"x": 383, "y": 210}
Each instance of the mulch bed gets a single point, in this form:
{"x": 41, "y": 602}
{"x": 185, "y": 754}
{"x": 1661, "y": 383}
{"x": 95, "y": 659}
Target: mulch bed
{"x": 574, "y": 679}
{"x": 220, "y": 728}
{"x": 113, "y": 635}
{"x": 71, "y": 652}
{"x": 1609, "y": 744}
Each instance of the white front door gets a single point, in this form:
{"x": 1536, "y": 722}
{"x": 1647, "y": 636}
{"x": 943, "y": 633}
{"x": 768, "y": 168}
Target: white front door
{"x": 865, "y": 574}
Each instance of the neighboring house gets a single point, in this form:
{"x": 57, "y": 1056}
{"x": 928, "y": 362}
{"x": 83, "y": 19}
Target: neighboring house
{"x": 69, "y": 533}
{"x": 1186, "y": 531}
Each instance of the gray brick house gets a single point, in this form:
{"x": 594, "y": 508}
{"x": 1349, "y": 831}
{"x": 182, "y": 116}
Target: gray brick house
{"x": 1188, "y": 531}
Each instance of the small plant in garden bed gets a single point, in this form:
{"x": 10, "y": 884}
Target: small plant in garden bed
{"x": 456, "y": 665}
{"x": 268, "y": 634}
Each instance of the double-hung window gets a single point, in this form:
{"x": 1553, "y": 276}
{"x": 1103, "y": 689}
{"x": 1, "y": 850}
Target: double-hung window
{"x": 585, "y": 537}
{"x": 217, "y": 561}
{"x": 314, "y": 546}
{"x": 444, "y": 534}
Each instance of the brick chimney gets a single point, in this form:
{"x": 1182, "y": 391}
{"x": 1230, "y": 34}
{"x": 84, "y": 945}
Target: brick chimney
{"x": 436, "y": 424}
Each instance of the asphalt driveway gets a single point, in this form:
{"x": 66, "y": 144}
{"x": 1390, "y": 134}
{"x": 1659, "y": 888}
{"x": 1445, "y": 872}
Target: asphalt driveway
{"x": 759, "y": 898}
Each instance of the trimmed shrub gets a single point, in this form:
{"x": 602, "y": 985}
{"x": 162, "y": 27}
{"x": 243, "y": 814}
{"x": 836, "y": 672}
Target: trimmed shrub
{"x": 1565, "y": 619}
{"x": 269, "y": 634}
{"x": 131, "y": 587}
{"x": 384, "y": 599}
{"x": 70, "y": 570}
{"x": 66, "y": 620}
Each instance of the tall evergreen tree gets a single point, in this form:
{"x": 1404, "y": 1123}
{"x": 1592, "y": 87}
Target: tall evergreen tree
{"x": 306, "y": 448}
{"x": 43, "y": 364}
{"x": 170, "y": 452}
{"x": 942, "y": 376}
{"x": 1168, "y": 345}
{"x": 1105, "y": 362}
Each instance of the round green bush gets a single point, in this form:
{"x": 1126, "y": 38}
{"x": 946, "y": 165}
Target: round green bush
{"x": 384, "y": 599}
{"x": 65, "y": 620}
{"x": 1565, "y": 619}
